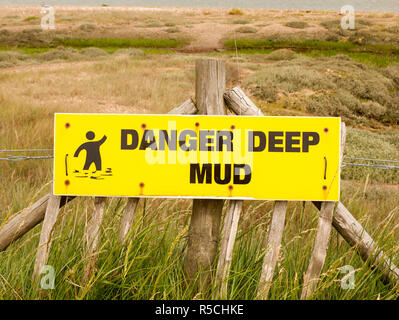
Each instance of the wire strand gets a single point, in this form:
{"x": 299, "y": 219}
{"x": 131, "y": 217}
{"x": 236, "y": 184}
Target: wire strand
{"x": 376, "y": 160}
{"x": 370, "y": 166}
{"x": 27, "y": 150}
{"x": 21, "y": 158}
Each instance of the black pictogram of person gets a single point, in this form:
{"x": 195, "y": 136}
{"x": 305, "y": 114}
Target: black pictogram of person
{"x": 92, "y": 151}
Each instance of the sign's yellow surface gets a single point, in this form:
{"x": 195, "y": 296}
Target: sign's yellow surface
{"x": 276, "y": 158}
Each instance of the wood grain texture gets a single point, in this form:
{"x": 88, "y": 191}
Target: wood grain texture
{"x": 92, "y": 236}
{"x": 203, "y": 234}
{"x": 25, "y": 221}
{"x": 273, "y": 246}
{"x": 187, "y": 107}
{"x": 127, "y": 218}
{"x": 319, "y": 249}
{"x": 229, "y": 233}
{"x": 238, "y": 102}
{"x": 210, "y": 85}
{"x": 50, "y": 218}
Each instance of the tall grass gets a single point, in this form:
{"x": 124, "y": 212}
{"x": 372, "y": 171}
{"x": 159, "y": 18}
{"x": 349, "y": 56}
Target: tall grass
{"x": 150, "y": 264}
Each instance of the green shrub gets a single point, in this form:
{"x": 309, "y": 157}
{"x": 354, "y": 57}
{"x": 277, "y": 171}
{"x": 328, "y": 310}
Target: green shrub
{"x": 87, "y": 27}
{"x": 281, "y": 54}
{"x": 364, "y": 22}
{"x": 246, "y": 29}
{"x": 12, "y": 58}
{"x": 297, "y": 24}
{"x": 236, "y": 12}
{"x": 392, "y": 29}
{"x": 4, "y": 33}
{"x": 290, "y": 78}
{"x": 240, "y": 21}
{"x": 131, "y": 52}
{"x": 60, "y": 53}
{"x": 31, "y": 18}
{"x": 372, "y": 109}
{"x": 153, "y": 24}
{"x": 93, "y": 52}
{"x": 393, "y": 72}
{"x": 172, "y": 30}
{"x": 120, "y": 43}
{"x": 331, "y": 24}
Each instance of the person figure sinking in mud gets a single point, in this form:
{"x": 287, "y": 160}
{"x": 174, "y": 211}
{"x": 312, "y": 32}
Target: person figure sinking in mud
{"x": 92, "y": 151}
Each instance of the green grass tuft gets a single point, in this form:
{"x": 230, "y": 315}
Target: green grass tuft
{"x": 121, "y": 43}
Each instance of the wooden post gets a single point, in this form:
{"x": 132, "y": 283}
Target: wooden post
{"x": 187, "y": 107}
{"x": 226, "y": 247}
{"x": 320, "y": 249}
{"x": 322, "y": 237}
{"x": 273, "y": 248}
{"x": 206, "y": 214}
{"x": 127, "y": 219}
{"x": 238, "y": 102}
{"x": 92, "y": 235}
{"x": 50, "y": 218}
{"x": 26, "y": 220}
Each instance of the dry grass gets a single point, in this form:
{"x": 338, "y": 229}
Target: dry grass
{"x": 297, "y": 24}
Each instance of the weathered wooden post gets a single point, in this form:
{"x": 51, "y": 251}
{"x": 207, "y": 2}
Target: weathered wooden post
{"x": 273, "y": 246}
{"x": 92, "y": 236}
{"x": 322, "y": 237}
{"x": 206, "y": 214}
{"x": 50, "y": 218}
{"x": 26, "y": 220}
{"x": 227, "y": 240}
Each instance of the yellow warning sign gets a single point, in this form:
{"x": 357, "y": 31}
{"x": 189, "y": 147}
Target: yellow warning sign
{"x": 276, "y": 158}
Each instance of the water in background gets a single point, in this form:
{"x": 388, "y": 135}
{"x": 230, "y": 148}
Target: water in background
{"x": 359, "y": 5}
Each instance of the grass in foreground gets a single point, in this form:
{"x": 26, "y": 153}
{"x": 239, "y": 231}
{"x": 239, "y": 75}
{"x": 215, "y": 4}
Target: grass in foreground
{"x": 150, "y": 264}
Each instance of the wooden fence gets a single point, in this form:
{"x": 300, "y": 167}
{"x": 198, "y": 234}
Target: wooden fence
{"x": 204, "y": 234}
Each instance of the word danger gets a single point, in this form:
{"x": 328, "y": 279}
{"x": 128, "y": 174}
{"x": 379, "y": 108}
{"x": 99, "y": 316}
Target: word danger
{"x": 217, "y": 140}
